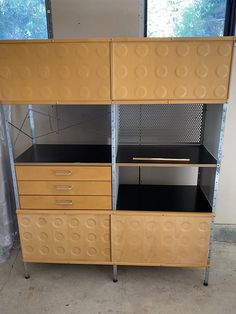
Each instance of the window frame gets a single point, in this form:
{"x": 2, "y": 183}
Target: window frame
{"x": 48, "y": 9}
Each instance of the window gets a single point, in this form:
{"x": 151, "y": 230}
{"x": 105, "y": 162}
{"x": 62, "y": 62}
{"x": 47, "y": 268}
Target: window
{"x": 23, "y": 19}
{"x": 189, "y": 18}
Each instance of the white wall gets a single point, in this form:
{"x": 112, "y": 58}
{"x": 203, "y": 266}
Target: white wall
{"x": 95, "y": 18}
{"x": 112, "y": 18}
{"x": 226, "y": 201}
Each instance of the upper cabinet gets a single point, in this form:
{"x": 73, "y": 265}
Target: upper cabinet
{"x": 55, "y": 72}
{"x": 122, "y": 71}
{"x": 180, "y": 70}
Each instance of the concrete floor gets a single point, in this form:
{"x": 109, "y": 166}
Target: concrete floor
{"x": 77, "y": 289}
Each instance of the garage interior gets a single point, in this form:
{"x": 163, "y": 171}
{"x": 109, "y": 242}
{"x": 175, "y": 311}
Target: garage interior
{"x": 111, "y": 140}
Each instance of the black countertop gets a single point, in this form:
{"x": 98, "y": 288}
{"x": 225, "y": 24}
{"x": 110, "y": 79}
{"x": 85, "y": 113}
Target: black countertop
{"x": 54, "y": 153}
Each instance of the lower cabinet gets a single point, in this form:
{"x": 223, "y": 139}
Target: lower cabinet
{"x": 118, "y": 237}
{"x": 66, "y": 237}
{"x": 160, "y": 239}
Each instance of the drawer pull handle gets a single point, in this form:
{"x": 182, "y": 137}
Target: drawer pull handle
{"x": 62, "y": 173}
{"x": 64, "y": 202}
{"x": 63, "y": 187}
{"x": 160, "y": 159}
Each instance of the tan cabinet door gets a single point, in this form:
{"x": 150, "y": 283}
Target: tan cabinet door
{"x": 55, "y": 72}
{"x": 52, "y": 236}
{"x": 184, "y": 70}
{"x": 175, "y": 240}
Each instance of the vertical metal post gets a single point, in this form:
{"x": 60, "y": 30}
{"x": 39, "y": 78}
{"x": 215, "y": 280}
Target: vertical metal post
{"x": 26, "y": 271}
{"x": 7, "y": 117}
{"x": 49, "y": 18}
{"x": 115, "y": 273}
{"x": 204, "y": 109}
{"x": 32, "y": 123}
{"x": 114, "y": 153}
{"x": 216, "y": 185}
{"x": 142, "y": 14}
{"x": 114, "y": 147}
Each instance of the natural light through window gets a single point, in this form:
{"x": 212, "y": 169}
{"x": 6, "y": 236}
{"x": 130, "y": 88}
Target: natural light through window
{"x": 23, "y": 19}
{"x": 180, "y": 18}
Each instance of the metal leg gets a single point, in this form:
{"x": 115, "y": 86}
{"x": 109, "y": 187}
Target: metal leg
{"x": 206, "y": 279}
{"x": 115, "y": 273}
{"x": 26, "y": 271}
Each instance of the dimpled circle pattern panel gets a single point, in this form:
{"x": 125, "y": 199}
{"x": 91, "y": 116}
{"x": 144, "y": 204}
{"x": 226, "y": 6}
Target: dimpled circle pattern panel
{"x": 55, "y": 236}
{"x": 189, "y": 70}
{"x": 222, "y": 71}
{"x": 162, "y": 50}
{"x": 175, "y": 239}
{"x": 161, "y": 91}
{"x": 57, "y": 63}
{"x": 5, "y": 72}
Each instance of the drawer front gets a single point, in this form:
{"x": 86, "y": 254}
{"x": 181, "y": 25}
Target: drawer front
{"x": 57, "y": 237}
{"x": 161, "y": 240}
{"x": 65, "y": 202}
{"x": 80, "y": 173}
{"x": 64, "y": 188}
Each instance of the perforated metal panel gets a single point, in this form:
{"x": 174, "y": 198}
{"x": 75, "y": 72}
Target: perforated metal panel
{"x": 152, "y": 124}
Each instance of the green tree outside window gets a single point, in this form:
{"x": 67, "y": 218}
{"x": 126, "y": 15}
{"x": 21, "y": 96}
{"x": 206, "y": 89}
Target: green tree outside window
{"x": 185, "y": 18}
{"x": 23, "y": 19}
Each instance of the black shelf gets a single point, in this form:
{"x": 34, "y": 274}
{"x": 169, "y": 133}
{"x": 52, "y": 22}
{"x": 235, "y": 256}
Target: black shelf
{"x": 54, "y": 153}
{"x": 197, "y": 154}
{"x": 178, "y": 198}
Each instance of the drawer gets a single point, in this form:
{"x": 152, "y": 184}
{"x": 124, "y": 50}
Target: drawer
{"x": 65, "y": 173}
{"x": 64, "y": 188}
{"x": 65, "y": 202}
{"x": 54, "y": 236}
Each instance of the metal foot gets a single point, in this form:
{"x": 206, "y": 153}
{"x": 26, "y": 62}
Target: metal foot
{"x": 115, "y": 273}
{"x": 206, "y": 279}
{"x": 26, "y": 271}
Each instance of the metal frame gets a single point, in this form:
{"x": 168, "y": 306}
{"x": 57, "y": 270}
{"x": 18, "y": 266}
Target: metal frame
{"x": 49, "y": 18}
{"x": 6, "y": 111}
{"x": 26, "y": 270}
{"x": 114, "y": 148}
{"x": 114, "y": 143}
{"x": 32, "y": 124}
{"x": 216, "y": 186}
{"x": 7, "y": 118}
{"x": 230, "y": 18}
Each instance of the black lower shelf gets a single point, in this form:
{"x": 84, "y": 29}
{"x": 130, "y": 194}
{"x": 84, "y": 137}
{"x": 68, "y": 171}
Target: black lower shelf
{"x": 176, "y": 198}
{"x": 59, "y": 153}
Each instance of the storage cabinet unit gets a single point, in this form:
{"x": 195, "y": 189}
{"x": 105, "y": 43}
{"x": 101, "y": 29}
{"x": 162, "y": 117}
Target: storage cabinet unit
{"x": 118, "y": 204}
